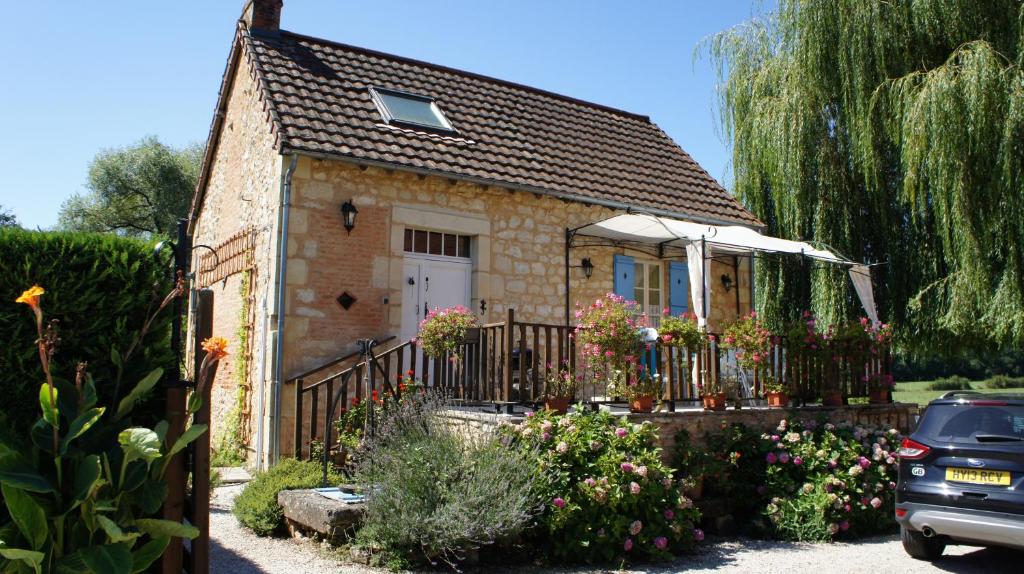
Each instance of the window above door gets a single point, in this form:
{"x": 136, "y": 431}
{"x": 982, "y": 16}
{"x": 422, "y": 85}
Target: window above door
{"x": 437, "y": 243}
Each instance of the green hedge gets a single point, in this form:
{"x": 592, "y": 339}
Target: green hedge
{"x": 101, "y": 289}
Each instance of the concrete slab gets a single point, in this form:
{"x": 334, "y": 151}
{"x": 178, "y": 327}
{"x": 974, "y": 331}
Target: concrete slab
{"x": 308, "y": 510}
{"x": 233, "y": 475}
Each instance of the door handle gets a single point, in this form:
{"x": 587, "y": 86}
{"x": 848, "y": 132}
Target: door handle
{"x": 411, "y": 281}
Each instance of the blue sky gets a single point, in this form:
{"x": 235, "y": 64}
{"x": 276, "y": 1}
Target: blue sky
{"x": 79, "y": 77}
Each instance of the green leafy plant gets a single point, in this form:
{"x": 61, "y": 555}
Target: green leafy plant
{"x": 608, "y": 495}
{"x": 435, "y": 493}
{"x": 954, "y": 383}
{"x": 644, "y": 384}
{"x": 256, "y": 506}
{"x": 350, "y": 424}
{"x": 1005, "y": 382}
{"x": 682, "y": 331}
{"x": 443, "y": 331}
{"x": 562, "y": 384}
{"x": 83, "y": 498}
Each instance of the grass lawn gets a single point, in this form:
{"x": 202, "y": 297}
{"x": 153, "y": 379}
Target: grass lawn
{"x": 917, "y": 391}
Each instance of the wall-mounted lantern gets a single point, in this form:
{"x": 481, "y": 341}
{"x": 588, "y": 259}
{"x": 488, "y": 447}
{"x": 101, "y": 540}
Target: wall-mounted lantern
{"x": 588, "y": 267}
{"x": 726, "y": 282}
{"x": 348, "y": 215}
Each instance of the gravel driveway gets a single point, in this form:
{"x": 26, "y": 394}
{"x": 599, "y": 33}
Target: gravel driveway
{"x": 235, "y": 550}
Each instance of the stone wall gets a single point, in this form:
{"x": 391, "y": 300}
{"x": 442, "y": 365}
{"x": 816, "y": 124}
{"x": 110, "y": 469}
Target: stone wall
{"x": 518, "y": 255}
{"x": 243, "y": 192}
{"x": 699, "y": 423}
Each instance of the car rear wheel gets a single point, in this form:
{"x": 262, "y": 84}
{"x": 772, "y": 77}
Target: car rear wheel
{"x": 920, "y": 547}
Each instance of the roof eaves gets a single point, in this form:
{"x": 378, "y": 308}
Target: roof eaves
{"x": 240, "y": 44}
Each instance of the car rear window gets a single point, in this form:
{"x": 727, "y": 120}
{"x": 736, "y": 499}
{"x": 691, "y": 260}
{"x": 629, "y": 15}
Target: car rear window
{"x": 967, "y": 422}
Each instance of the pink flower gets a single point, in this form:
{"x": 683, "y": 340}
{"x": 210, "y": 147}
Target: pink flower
{"x": 590, "y": 481}
{"x": 634, "y": 488}
{"x": 669, "y": 514}
{"x": 661, "y": 543}
{"x": 864, "y": 463}
{"x": 562, "y": 448}
{"x": 559, "y": 502}
{"x": 609, "y": 354}
{"x": 784, "y": 457}
{"x": 626, "y": 467}
{"x": 621, "y": 432}
{"x": 628, "y": 545}
{"x": 635, "y": 527}
{"x": 844, "y": 526}
{"x": 876, "y": 503}
{"x": 771, "y": 458}
{"x": 797, "y": 460}
{"x": 595, "y": 445}
{"x": 698, "y": 534}
{"x": 641, "y": 470}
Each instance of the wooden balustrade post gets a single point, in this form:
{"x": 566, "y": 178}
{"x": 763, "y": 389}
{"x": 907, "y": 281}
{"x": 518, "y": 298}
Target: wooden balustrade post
{"x": 509, "y": 343}
{"x": 297, "y": 393}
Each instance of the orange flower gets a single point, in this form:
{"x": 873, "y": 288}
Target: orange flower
{"x": 216, "y": 347}
{"x": 31, "y": 297}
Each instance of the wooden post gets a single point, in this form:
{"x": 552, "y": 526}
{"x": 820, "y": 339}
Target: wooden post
{"x": 510, "y": 341}
{"x": 297, "y": 453}
{"x": 199, "y": 557}
{"x": 174, "y": 504}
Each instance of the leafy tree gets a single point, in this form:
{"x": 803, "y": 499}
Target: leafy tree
{"x": 893, "y": 132}
{"x": 7, "y": 219}
{"x": 140, "y": 190}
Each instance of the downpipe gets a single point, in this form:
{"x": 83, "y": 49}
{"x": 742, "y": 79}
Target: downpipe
{"x": 282, "y": 275}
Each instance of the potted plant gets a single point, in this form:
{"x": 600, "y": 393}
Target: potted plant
{"x": 879, "y": 388}
{"x": 682, "y": 332}
{"x": 641, "y": 390}
{"x": 713, "y": 396}
{"x": 444, "y": 332}
{"x": 776, "y": 391}
{"x": 609, "y": 336}
{"x": 560, "y": 390}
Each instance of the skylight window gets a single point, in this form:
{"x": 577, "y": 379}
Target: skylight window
{"x": 411, "y": 110}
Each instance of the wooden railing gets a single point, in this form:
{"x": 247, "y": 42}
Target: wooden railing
{"x": 508, "y": 362}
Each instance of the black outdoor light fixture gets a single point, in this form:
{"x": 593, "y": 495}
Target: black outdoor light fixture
{"x": 348, "y": 214}
{"x": 726, "y": 282}
{"x": 588, "y": 267}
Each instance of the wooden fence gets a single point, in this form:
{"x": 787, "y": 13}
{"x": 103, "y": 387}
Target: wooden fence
{"x": 507, "y": 363}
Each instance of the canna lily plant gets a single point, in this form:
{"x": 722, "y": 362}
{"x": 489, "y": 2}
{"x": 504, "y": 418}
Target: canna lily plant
{"x": 85, "y": 498}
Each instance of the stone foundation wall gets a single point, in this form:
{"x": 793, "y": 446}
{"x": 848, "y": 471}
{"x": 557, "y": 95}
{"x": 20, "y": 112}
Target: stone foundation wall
{"x": 700, "y": 423}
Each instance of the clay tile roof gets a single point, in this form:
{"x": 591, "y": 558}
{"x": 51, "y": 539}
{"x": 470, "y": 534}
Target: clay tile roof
{"x": 506, "y": 134}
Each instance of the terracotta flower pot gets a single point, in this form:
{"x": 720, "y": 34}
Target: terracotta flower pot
{"x": 560, "y": 405}
{"x": 832, "y": 398}
{"x": 715, "y": 402}
{"x": 642, "y": 404}
{"x": 778, "y": 400}
{"x": 878, "y": 396}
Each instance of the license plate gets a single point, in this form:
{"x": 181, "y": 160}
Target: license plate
{"x": 978, "y": 476}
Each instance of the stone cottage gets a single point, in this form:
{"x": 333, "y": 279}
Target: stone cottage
{"x": 344, "y": 191}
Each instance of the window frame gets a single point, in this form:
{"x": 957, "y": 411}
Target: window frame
{"x": 411, "y": 235}
{"x": 376, "y": 94}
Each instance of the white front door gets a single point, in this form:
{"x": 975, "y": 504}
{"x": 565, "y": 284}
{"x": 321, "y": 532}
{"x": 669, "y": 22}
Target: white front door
{"x": 432, "y": 283}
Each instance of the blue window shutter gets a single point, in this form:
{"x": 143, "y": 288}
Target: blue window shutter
{"x": 679, "y": 287}
{"x": 625, "y": 277}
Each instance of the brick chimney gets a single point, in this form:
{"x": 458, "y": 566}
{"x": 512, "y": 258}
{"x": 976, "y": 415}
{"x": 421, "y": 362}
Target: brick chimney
{"x": 263, "y": 14}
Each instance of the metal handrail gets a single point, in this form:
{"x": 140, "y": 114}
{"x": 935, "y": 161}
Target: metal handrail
{"x": 334, "y": 362}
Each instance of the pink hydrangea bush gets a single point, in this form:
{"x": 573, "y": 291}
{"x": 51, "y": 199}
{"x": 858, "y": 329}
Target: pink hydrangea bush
{"x": 611, "y": 497}
{"x": 443, "y": 331}
{"x": 810, "y": 481}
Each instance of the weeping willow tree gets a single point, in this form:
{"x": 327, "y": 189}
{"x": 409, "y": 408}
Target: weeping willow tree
{"x": 892, "y": 131}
